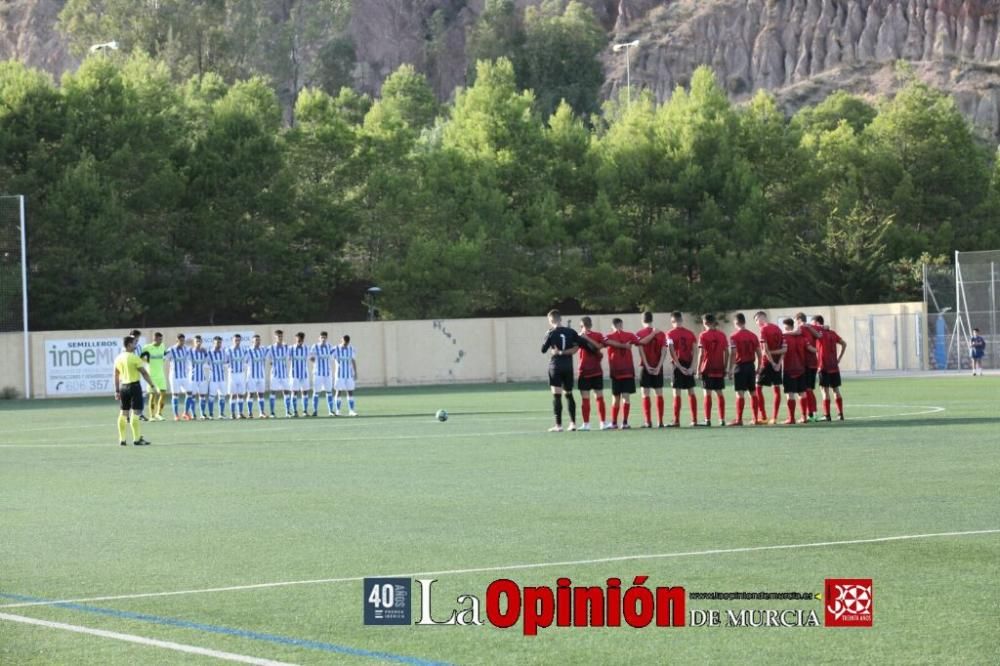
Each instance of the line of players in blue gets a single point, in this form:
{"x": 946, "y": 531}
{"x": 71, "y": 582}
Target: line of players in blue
{"x": 208, "y": 377}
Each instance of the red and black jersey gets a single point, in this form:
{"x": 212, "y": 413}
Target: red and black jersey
{"x": 683, "y": 342}
{"x": 795, "y": 355}
{"x": 590, "y": 360}
{"x": 654, "y": 348}
{"x": 713, "y": 344}
{"x": 826, "y": 346}
{"x": 621, "y": 362}
{"x": 744, "y": 345}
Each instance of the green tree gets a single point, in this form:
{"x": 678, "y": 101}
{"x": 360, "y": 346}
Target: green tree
{"x": 497, "y": 33}
{"x": 562, "y": 42}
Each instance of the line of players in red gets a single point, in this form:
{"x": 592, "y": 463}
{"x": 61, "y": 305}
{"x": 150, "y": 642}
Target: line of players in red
{"x": 791, "y": 358}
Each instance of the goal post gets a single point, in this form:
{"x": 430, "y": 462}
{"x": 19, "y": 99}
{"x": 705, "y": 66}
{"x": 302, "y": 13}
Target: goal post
{"x": 14, "y": 276}
{"x": 977, "y": 301}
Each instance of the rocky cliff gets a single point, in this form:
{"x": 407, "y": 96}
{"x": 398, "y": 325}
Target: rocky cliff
{"x": 804, "y": 49}
{"x": 800, "y": 49}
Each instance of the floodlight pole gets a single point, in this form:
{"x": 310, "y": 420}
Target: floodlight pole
{"x": 628, "y": 68}
{"x": 24, "y": 300}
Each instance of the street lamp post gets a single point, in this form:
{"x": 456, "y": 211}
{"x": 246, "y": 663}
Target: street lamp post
{"x": 106, "y": 46}
{"x": 373, "y": 292}
{"x": 628, "y": 69}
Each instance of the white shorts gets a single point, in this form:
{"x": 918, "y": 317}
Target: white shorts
{"x": 280, "y": 384}
{"x": 321, "y": 384}
{"x": 216, "y": 388}
{"x": 300, "y": 384}
{"x": 201, "y": 388}
{"x": 255, "y": 385}
{"x": 180, "y": 385}
{"x": 344, "y": 384}
{"x": 238, "y": 385}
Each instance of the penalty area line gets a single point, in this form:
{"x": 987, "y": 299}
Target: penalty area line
{"x": 513, "y": 567}
{"x": 142, "y": 640}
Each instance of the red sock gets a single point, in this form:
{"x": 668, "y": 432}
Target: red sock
{"x": 677, "y": 409}
{"x": 708, "y": 406}
{"x": 693, "y": 402}
{"x": 646, "y": 418}
{"x": 740, "y": 404}
{"x": 777, "y": 401}
{"x": 804, "y": 405}
{"x": 791, "y": 409}
{"x": 840, "y": 405}
{"x": 760, "y": 412}
{"x": 722, "y": 408}
{"x": 625, "y": 409}
{"x": 614, "y": 412}
{"x": 600, "y": 408}
{"x": 659, "y": 408}
{"x": 585, "y": 409}
{"x": 826, "y": 407}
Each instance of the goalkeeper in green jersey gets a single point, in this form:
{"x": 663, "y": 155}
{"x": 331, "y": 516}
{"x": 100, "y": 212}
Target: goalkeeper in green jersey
{"x": 153, "y": 354}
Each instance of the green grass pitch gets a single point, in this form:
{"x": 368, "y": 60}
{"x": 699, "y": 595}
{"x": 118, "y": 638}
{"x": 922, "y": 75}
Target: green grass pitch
{"x": 223, "y": 504}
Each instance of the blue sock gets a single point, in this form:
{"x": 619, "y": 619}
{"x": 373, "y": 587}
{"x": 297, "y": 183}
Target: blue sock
{"x": 288, "y": 404}
{"x": 239, "y": 405}
{"x": 339, "y": 402}
{"x": 189, "y": 405}
{"x": 295, "y": 404}
{"x": 329, "y": 402}
{"x": 204, "y": 405}
{"x": 261, "y": 401}
{"x": 350, "y": 404}
{"x": 211, "y": 407}
{"x": 272, "y": 404}
{"x": 222, "y": 407}
{"x": 315, "y": 402}
{"x": 177, "y": 406}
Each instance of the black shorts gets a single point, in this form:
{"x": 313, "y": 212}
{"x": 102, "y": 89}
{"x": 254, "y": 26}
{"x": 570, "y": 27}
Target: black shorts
{"x": 682, "y": 381}
{"x": 561, "y": 377}
{"x": 620, "y": 386}
{"x": 590, "y": 383}
{"x": 131, "y": 397}
{"x": 769, "y": 375}
{"x": 809, "y": 379}
{"x": 829, "y": 379}
{"x": 649, "y": 381}
{"x": 794, "y": 384}
{"x": 745, "y": 377}
{"x": 713, "y": 383}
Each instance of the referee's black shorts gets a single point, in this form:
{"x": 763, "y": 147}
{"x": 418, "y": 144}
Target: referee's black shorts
{"x": 131, "y": 397}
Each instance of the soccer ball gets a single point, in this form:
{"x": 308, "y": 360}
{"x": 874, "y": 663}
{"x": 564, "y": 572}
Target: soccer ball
{"x": 441, "y": 415}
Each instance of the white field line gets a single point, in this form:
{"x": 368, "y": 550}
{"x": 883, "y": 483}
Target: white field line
{"x": 511, "y": 567}
{"x": 142, "y": 640}
{"x": 58, "y": 443}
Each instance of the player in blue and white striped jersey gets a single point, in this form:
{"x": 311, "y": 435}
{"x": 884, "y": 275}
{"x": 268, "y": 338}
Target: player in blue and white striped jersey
{"x": 299, "y": 353}
{"x": 199, "y": 378}
{"x": 279, "y": 373}
{"x": 257, "y": 375}
{"x": 347, "y": 373}
{"x": 137, "y": 334}
{"x": 236, "y": 357}
{"x": 179, "y": 356}
{"x": 217, "y": 358}
{"x": 322, "y": 355}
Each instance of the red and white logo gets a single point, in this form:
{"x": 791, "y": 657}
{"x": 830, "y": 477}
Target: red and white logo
{"x": 848, "y": 602}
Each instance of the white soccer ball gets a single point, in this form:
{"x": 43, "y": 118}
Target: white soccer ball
{"x": 441, "y": 415}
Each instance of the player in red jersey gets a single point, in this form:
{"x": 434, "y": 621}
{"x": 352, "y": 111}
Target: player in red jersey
{"x": 744, "y": 357}
{"x": 812, "y": 363}
{"x": 794, "y": 368}
{"x": 681, "y": 343}
{"x": 713, "y": 362}
{"x": 621, "y": 362}
{"x": 769, "y": 370}
{"x": 829, "y": 366}
{"x": 651, "y": 345}
{"x": 591, "y": 375}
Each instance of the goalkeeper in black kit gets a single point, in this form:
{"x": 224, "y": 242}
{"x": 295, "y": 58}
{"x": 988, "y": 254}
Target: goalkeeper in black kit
{"x": 561, "y": 343}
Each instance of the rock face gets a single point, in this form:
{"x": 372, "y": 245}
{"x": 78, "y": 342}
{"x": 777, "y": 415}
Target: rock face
{"x": 800, "y": 49}
{"x": 28, "y": 33}
{"x": 804, "y": 49}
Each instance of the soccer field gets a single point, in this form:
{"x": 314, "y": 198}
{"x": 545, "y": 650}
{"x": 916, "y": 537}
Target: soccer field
{"x": 249, "y": 540}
